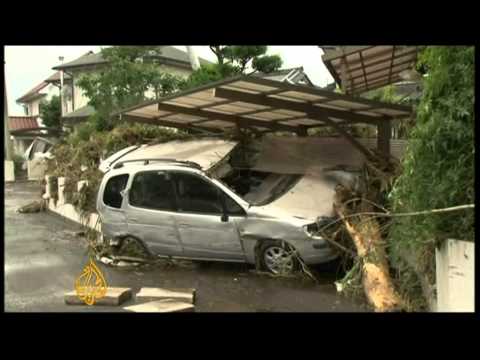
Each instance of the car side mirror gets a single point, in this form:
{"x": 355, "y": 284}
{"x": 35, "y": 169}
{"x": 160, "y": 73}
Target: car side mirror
{"x": 224, "y": 217}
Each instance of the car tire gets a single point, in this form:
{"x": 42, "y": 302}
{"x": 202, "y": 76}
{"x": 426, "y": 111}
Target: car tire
{"x": 130, "y": 243}
{"x": 277, "y": 257}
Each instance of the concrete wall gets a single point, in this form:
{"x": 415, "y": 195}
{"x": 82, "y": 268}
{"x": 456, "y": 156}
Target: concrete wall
{"x": 36, "y": 169}
{"x": 455, "y": 273}
{"x": 67, "y": 210}
{"x": 9, "y": 172}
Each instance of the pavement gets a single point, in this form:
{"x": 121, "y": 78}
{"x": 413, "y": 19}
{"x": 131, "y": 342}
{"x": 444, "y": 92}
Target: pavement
{"x": 43, "y": 257}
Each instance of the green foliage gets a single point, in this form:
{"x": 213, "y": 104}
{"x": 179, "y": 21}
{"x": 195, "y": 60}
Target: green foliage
{"x": 267, "y": 63}
{"x": 438, "y": 167}
{"x": 51, "y": 112}
{"x": 132, "y": 71}
{"x": 209, "y": 73}
{"x": 384, "y": 94}
{"x": 231, "y": 61}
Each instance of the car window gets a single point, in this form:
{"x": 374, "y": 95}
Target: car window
{"x": 152, "y": 190}
{"x": 232, "y": 207}
{"x": 196, "y": 195}
{"x": 111, "y": 195}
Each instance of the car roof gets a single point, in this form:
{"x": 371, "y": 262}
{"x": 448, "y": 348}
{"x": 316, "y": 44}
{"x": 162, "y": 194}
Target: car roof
{"x": 136, "y": 167}
{"x": 205, "y": 152}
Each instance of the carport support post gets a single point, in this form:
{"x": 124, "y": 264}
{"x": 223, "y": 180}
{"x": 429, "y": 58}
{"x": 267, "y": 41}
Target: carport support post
{"x": 384, "y": 132}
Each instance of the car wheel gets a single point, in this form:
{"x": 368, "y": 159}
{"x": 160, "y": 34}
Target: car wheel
{"x": 278, "y": 258}
{"x": 131, "y": 246}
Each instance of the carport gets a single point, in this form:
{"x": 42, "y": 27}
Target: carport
{"x": 263, "y": 105}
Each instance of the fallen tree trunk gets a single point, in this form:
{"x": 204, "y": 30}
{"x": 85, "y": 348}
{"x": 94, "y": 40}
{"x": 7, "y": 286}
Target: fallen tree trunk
{"x": 365, "y": 232}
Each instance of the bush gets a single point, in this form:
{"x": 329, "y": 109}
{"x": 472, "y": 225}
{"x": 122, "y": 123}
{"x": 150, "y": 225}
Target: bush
{"x": 438, "y": 166}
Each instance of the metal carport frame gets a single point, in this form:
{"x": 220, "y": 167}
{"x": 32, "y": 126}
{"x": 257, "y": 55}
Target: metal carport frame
{"x": 266, "y": 105}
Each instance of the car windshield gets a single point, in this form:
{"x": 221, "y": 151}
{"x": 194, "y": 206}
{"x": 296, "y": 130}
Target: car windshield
{"x": 260, "y": 188}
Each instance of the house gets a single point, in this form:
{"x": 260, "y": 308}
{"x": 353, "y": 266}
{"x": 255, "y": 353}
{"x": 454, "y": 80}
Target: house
{"x": 24, "y": 129}
{"x": 75, "y": 108}
{"x": 292, "y": 76}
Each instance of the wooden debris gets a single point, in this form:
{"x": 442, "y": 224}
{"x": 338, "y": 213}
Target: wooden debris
{"x": 113, "y": 297}
{"x": 184, "y": 295}
{"x": 162, "y": 306}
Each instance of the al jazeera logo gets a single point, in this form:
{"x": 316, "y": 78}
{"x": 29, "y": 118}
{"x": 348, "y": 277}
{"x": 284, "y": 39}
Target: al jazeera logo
{"x": 91, "y": 285}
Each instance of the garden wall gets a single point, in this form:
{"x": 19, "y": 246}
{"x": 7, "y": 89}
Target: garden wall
{"x": 62, "y": 207}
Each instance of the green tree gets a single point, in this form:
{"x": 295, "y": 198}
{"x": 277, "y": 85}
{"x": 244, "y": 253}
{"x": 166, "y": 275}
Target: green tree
{"x": 51, "y": 112}
{"x": 132, "y": 72}
{"x": 234, "y": 60}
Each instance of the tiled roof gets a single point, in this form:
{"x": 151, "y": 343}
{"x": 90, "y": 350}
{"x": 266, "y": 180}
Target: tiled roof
{"x": 166, "y": 52}
{"x": 32, "y": 93}
{"x": 16, "y": 123}
{"x": 82, "y": 112}
{"x": 56, "y": 77}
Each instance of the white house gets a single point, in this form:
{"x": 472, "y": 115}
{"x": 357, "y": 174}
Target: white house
{"x": 75, "y": 108}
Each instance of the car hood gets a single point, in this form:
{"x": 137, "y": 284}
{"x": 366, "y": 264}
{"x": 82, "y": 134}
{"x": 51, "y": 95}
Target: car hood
{"x": 322, "y": 163}
{"x": 310, "y": 198}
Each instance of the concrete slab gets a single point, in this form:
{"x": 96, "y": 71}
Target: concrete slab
{"x": 113, "y": 297}
{"x": 162, "y": 306}
{"x": 150, "y": 293}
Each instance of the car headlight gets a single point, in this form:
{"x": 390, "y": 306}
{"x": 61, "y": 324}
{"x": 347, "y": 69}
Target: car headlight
{"x": 313, "y": 229}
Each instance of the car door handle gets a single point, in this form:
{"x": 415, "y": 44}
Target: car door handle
{"x": 133, "y": 219}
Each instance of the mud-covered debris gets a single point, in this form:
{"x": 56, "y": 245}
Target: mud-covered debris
{"x": 33, "y": 207}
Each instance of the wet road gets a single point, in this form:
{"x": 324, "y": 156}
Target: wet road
{"x": 43, "y": 257}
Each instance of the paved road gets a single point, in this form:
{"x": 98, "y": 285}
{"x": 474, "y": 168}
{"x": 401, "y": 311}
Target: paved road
{"x": 43, "y": 257}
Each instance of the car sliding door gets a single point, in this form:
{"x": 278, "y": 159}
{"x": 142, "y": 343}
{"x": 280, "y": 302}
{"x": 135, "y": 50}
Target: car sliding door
{"x": 151, "y": 212}
{"x": 203, "y": 234}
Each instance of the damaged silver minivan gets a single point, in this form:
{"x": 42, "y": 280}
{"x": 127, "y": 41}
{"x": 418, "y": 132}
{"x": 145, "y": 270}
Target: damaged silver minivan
{"x": 218, "y": 200}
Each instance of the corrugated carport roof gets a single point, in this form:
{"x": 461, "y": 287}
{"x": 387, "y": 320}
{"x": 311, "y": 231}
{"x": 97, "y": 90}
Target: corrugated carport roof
{"x": 262, "y": 105}
{"x": 366, "y": 68}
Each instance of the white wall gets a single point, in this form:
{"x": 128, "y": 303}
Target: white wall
{"x": 80, "y": 100}
{"x": 455, "y": 273}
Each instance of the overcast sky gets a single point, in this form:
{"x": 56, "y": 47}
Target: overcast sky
{"x": 28, "y": 66}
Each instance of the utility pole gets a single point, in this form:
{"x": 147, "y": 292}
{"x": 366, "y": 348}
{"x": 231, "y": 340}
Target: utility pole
{"x": 193, "y": 58}
{"x": 60, "y": 58}
{"x": 8, "y": 142}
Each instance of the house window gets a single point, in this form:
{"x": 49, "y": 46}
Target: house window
{"x": 25, "y": 109}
